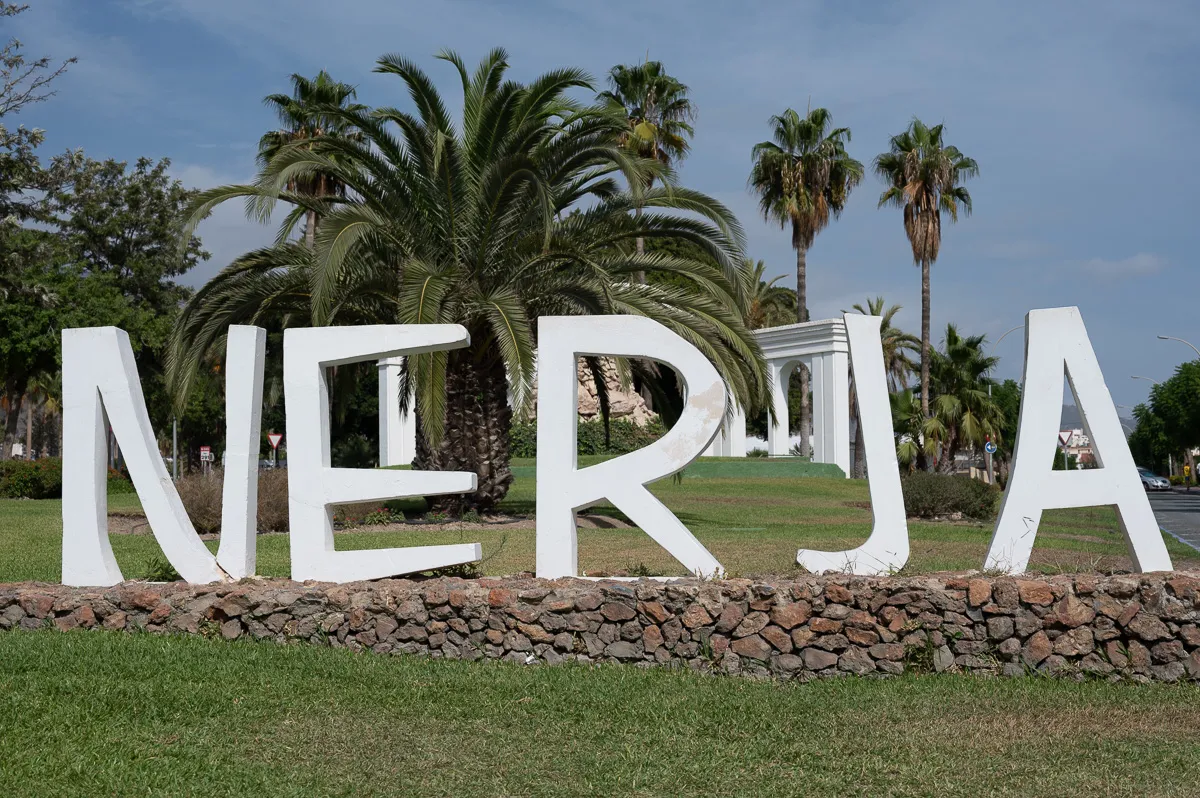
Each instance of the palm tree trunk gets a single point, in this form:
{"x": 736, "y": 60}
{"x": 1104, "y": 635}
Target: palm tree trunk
{"x": 478, "y": 420}
{"x": 16, "y": 398}
{"x": 310, "y": 230}
{"x": 925, "y": 313}
{"x": 802, "y": 316}
{"x": 29, "y": 433}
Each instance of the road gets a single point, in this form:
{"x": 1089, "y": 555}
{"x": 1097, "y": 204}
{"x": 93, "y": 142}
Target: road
{"x": 1179, "y": 513}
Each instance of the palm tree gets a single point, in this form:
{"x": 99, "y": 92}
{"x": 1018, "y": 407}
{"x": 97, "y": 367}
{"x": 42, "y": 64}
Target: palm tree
{"x": 959, "y": 379}
{"x": 897, "y": 345}
{"x": 303, "y": 117}
{"x": 768, "y": 305}
{"x": 658, "y": 113}
{"x": 511, "y": 214}
{"x": 803, "y": 177}
{"x": 924, "y": 177}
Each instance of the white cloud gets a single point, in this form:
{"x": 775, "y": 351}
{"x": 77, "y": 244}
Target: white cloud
{"x": 1137, "y": 265}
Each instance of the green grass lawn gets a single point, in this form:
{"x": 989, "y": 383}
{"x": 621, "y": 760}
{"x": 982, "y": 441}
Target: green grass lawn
{"x": 752, "y": 514}
{"x": 112, "y": 714}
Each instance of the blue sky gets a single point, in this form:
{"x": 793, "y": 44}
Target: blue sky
{"x": 1082, "y": 116}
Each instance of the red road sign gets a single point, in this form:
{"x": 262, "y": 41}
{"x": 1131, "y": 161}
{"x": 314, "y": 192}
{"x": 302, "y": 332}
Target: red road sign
{"x": 205, "y": 450}
{"x": 274, "y": 438}
{"x": 1063, "y": 437}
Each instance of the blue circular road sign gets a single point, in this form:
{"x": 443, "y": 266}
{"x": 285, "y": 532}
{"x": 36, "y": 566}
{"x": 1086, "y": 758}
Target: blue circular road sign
{"x": 989, "y": 447}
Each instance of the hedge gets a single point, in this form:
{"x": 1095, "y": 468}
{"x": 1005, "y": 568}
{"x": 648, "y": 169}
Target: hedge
{"x": 624, "y": 436}
{"x": 929, "y": 495}
{"x": 42, "y": 479}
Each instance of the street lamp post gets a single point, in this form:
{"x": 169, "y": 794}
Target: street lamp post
{"x": 1147, "y": 379}
{"x": 1180, "y": 340}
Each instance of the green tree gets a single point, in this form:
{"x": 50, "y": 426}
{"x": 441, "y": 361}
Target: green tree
{"x": 1176, "y": 402}
{"x": 802, "y": 178}
{"x": 897, "y": 345}
{"x": 959, "y": 379}
{"x": 303, "y": 117}
{"x": 924, "y": 177}
{"x": 1149, "y": 442}
{"x": 472, "y": 224}
{"x": 769, "y": 305}
{"x": 658, "y": 116}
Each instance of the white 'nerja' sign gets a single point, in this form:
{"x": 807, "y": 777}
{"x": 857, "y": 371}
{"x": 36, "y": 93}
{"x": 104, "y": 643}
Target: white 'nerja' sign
{"x": 100, "y": 381}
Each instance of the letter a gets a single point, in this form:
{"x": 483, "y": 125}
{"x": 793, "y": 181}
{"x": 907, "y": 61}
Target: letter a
{"x": 1056, "y": 340}
{"x": 563, "y": 487}
{"x": 886, "y": 550}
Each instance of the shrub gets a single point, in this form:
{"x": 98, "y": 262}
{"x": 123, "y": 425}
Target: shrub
{"x": 624, "y": 437}
{"x": 201, "y": 495}
{"x": 929, "y": 495}
{"x": 272, "y": 500}
{"x": 756, "y": 452}
{"x": 31, "y": 479}
{"x": 202, "y": 498}
{"x": 118, "y": 483}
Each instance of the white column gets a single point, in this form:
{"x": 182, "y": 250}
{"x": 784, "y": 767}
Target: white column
{"x": 735, "y": 433}
{"x": 397, "y": 433}
{"x": 777, "y": 430}
{"x": 831, "y": 409}
{"x": 820, "y": 385}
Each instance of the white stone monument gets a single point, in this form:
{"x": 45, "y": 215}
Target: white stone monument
{"x": 824, "y": 348}
{"x": 397, "y": 431}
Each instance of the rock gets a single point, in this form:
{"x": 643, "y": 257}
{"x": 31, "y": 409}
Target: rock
{"x": 1095, "y": 664}
{"x": 943, "y": 659}
{"x": 824, "y": 625}
{"x": 1170, "y": 672}
{"x": 1168, "y": 651}
{"x": 39, "y": 605}
{"x": 838, "y": 594}
{"x": 789, "y": 663}
{"x": 1190, "y": 634}
{"x": 778, "y": 638}
{"x": 1128, "y": 614}
{"x": 160, "y": 614}
{"x": 1009, "y": 648}
{"x": 1107, "y": 606}
{"x": 1116, "y": 654}
{"x": 979, "y": 592}
{"x": 753, "y": 646}
{"x": 115, "y": 620}
{"x": 651, "y": 639}
{"x": 1038, "y": 593}
{"x": 818, "y": 660}
{"x": 831, "y": 642}
{"x": 1036, "y": 649}
{"x": 1026, "y": 623}
{"x": 862, "y": 637}
{"x": 654, "y": 611}
{"x": 999, "y": 627}
{"x": 589, "y": 602}
{"x": 887, "y": 651}
{"x": 838, "y": 612}
{"x": 731, "y": 616}
{"x": 231, "y": 629}
{"x": 696, "y": 616}
{"x": 789, "y": 616}
{"x": 1148, "y": 627}
{"x": 1139, "y": 657}
{"x": 614, "y": 611}
{"x": 1075, "y": 643}
{"x": 622, "y": 649}
{"x": 857, "y": 661}
{"x": 1072, "y": 613}
{"x": 751, "y": 624}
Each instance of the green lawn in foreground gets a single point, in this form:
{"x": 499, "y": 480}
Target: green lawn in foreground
{"x": 753, "y": 524}
{"x": 96, "y": 713}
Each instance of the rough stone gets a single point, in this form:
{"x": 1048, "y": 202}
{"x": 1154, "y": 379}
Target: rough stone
{"x": 817, "y": 660}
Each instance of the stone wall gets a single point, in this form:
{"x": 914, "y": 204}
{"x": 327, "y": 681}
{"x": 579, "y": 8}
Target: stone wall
{"x": 1122, "y": 627}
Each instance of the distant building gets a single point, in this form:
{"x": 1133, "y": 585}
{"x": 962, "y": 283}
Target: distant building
{"x": 1078, "y": 445}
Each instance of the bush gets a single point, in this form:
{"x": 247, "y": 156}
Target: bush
{"x": 31, "y": 479}
{"x": 202, "y": 498}
{"x": 42, "y": 479}
{"x": 929, "y": 495}
{"x": 624, "y": 437}
{"x": 757, "y": 452}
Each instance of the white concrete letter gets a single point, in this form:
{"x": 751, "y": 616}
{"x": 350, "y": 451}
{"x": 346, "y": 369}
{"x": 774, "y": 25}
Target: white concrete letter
{"x": 886, "y": 550}
{"x": 1056, "y": 340}
{"x": 563, "y": 487}
{"x": 100, "y": 380}
{"x": 245, "y": 350}
{"x": 313, "y": 486}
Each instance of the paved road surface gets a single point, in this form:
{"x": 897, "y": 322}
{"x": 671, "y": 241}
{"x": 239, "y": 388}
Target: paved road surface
{"x": 1179, "y": 513}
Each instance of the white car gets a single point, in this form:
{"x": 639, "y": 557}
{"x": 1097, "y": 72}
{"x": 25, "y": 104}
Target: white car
{"x": 1152, "y": 481}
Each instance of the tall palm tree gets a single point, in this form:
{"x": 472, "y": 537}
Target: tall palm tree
{"x": 924, "y": 177}
{"x": 658, "y": 113}
{"x": 959, "y": 379}
{"x": 510, "y": 214}
{"x": 304, "y": 116}
{"x": 803, "y": 177}
{"x": 897, "y": 345}
{"x": 768, "y": 305}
